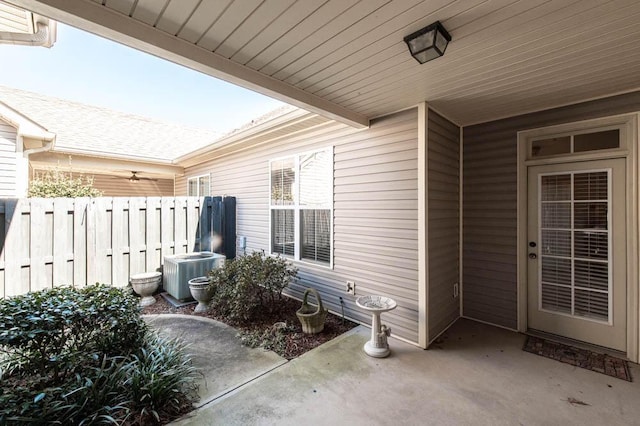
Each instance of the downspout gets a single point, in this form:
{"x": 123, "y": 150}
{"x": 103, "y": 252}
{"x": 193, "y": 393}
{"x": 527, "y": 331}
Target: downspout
{"x": 42, "y": 37}
{"x": 46, "y": 147}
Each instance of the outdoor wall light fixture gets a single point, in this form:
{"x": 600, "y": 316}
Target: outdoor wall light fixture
{"x": 428, "y": 43}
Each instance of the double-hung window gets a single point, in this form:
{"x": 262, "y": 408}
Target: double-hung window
{"x": 301, "y": 206}
{"x": 198, "y": 186}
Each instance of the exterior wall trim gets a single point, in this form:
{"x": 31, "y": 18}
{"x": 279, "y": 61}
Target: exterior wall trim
{"x": 461, "y": 230}
{"x": 423, "y": 221}
{"x": 629, "y": 123}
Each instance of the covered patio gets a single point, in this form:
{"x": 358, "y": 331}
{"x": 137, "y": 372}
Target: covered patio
{"x": 460, "y": 147}
{"x": 477, "y": 374}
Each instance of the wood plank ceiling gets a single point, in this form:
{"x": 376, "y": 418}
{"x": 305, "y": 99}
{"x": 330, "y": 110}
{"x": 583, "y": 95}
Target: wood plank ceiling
{"x": 347, "y": 57}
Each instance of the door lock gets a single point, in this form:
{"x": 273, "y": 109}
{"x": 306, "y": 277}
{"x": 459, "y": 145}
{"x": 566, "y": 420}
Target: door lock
{"x": 533, "y": 256}
{"x": 532, "y": 243}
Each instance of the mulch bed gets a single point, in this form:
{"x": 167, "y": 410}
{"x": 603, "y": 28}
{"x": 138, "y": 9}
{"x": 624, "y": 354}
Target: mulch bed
{"x": 601, "y": 363}
{"x": 295, "y": 342}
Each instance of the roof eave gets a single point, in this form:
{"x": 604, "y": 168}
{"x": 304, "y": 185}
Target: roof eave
{"x": 288, "y": 118}
{"x": 25, "y": 127}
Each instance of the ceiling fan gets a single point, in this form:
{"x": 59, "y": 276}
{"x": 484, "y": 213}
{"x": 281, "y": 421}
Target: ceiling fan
{"x": 135, "y": 178}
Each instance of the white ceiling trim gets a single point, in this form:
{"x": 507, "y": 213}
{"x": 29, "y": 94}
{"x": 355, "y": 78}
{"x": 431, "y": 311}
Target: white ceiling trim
{"x": 108, "y": 23}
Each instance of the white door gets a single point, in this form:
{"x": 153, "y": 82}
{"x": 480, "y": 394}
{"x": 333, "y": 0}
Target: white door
{"x": 577, "y": 251}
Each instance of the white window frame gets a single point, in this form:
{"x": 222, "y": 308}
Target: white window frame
{"x": 297, "y": 208}
{"x": 197, "y": 179}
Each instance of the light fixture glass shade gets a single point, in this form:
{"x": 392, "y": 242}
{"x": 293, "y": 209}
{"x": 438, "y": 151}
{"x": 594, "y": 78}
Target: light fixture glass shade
{"x": 428, "y": 43}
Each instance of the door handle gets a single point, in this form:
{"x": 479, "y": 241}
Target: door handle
{"x": 533, "y": 256}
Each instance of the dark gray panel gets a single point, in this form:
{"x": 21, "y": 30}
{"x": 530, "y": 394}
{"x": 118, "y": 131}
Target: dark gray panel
{"x": 490, "y": 204}
{"x": 443, "y": 222}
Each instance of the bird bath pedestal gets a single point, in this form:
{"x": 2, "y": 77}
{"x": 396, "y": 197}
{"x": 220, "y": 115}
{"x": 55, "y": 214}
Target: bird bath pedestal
{"x": 377, "y": 347}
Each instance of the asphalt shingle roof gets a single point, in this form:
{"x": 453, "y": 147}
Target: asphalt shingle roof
{"x": 103, "y": 132}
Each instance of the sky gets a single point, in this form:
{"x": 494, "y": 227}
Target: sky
{"x": 86, "y": 68}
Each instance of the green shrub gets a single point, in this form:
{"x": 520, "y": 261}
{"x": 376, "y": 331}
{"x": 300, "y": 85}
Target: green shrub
{"x": 56, "y": 183}
{"x": 161, "y": 378}
{"x": 250, "y": 285}
{"x": 86, "y": 357}
{"x": 48, "y": 330}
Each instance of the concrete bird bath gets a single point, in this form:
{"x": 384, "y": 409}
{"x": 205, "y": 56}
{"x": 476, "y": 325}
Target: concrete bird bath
{"x": 377, "y": 347}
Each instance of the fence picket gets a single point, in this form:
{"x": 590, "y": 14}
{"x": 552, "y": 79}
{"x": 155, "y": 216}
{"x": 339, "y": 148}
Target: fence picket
{"x": 92, "y": 272}
{"x": 61, "y": 242}
{"x": 3, "y": 219}
{"x": 166, "y": 226}
{"x": 102, "y": 264}
{"x": 180, "y": 227}
{"x": 80, "y": 236}
{"x": 14, "y": 247}
{"x": 154, "y": 260}
{"x": 120, "y": 248}
{"x": 194, "y": 205}
{"x": 137, "y": 232}
{"x": 37, "y": 242}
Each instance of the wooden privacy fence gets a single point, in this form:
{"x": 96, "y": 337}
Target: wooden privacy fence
{"x": 48, "y": 242}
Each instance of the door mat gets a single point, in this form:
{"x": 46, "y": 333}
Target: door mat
{"x": 583, "y": 358}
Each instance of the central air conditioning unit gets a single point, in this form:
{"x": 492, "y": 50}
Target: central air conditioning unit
{"x": 180, "y": 268}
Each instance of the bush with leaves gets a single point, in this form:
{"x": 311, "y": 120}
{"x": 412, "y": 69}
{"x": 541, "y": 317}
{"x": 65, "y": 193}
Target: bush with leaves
{"x": 86, "y": 356}
{"x": 161, "y": 379}
{"x": 48, "y": 331}
{"x": 250, "y": 285}
{"x": 56, "y": 183}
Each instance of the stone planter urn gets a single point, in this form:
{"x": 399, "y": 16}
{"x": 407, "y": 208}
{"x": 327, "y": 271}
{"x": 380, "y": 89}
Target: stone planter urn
{"x": 145, "y": 285}
{"x": 201, "y": 292}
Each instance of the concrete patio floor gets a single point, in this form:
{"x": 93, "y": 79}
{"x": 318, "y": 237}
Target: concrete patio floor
{"x": 214, "y": 348}
{"x": 478, "y": 375}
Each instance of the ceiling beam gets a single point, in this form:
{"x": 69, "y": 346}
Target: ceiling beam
{"x": 95, "y": 18}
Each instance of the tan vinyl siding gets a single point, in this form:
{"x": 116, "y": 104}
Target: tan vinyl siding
{"x": 444, "y": 221}
{"x": 8, "y": 164}
{"x": 375, "y": 211}
{"x": 112, "y": 187}
{"x": 119, "y": 186}
{"x": 490, "y": 204}
{"x": 180, "y": 185}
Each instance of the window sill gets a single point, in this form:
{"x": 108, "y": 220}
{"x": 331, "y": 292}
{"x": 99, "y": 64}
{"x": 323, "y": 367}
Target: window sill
{"x": 305, "y": 262}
